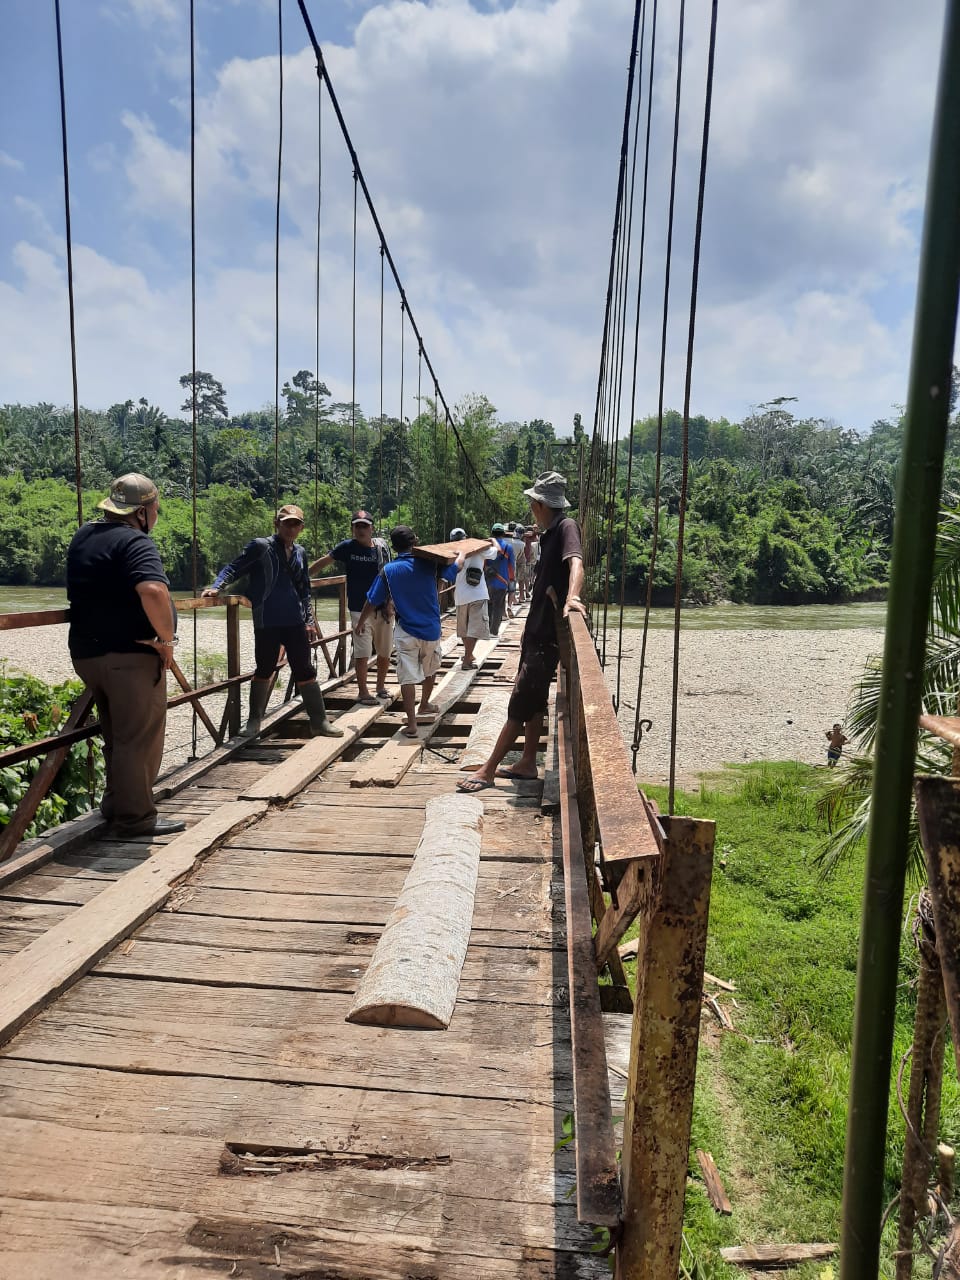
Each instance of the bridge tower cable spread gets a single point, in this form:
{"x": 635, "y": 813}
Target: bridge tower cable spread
{"x": 324, "y": 75}
{"x": 194, "y": 547}
{"x": 316, "y": 381}
{"x": 636, "y": 336}
{"x": 687, "y": 382}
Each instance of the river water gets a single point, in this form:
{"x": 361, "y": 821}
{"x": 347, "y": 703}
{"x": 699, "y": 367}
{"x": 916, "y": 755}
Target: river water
{"x": 719, "y": 617}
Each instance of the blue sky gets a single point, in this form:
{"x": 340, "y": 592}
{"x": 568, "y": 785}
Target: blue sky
{"x": 489, "y": 135}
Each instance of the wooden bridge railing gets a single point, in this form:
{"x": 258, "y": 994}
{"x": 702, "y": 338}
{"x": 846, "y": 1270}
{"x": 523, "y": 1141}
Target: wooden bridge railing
{"x": 616, "y": 847}
{"x": 76, "y": 729}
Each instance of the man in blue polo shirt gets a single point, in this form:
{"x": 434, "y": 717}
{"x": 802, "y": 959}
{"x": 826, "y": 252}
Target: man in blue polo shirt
{"x": 411, "y": 584}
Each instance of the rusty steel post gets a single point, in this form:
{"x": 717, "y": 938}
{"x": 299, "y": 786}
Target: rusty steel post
{"x": 663, "y": 1057}
{"x": 233, "y": 667}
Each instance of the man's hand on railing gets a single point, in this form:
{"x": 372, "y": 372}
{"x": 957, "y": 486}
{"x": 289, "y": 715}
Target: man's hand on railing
{"x": 574, "y": 605}
{"x": 207, "y": 592}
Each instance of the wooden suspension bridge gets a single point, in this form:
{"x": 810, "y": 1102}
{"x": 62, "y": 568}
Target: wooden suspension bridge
{"x": 180, "y": 1094}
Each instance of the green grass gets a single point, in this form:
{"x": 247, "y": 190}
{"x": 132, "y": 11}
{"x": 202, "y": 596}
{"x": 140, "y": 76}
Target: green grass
{"x": 771, "y": 1099}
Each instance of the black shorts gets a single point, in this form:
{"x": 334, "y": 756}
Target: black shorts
{"x": 266, "y": 649}
{"x": 538, "y": 666}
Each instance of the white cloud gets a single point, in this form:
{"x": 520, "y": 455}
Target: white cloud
{"x": 8, "y": 161}
{"x": 490, "y": 142}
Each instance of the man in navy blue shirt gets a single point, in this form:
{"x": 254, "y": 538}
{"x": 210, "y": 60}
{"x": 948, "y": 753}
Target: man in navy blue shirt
{"x": 499, "y": 576}
{"x": 279, "y": 591}
{"x": 411, "y": 584}
{"x": 362, "y": 558}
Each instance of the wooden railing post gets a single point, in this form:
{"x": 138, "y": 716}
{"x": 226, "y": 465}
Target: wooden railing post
{"x": 343, "y": 617}
{"x": 42, "y": 781}
{"x": 663, "y": 1056}
{"x": 233, "y": 667}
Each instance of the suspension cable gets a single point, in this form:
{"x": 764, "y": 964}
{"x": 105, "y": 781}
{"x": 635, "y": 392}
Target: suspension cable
{"x": 276, "y": 275}
{"x": 380, "y": 468}
{"x": 334, "y": 101}
{"x": 316, "y": 388}
{"x": 353, "y": 359}
{"x": 400, "y": 435}
{"x": 195, "y": 576}
{"x": 688, "y": 378}
{"x": 69, "y": 237}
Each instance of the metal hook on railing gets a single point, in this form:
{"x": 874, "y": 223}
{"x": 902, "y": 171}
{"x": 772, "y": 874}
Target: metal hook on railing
{"x": 642, "y": 727}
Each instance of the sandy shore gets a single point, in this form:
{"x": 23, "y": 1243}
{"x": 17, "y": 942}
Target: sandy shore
{"x": 42, "y": 651}
{"x": 744, "y": 695}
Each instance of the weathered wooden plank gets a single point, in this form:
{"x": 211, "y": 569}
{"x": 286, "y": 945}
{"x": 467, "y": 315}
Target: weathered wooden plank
{"x": 47, "y": 1240}
{"x": 490, "y": 1050}
{"x": 711, "y": 1178}
{"x": 46, "y": 967}
{"x": 34, "y": 853}
{"x": 393, "y": 759}
{"x": 444, "y": 553}
{"x": 777, "y": 1255}
{"x": 489, "y": 973}
{"x": 413, "y": 977}
{"x": 598, "y": 1184}
{"x": 624, "y": 821}
{"x": 290, "y": 777}
{"x": 354, "y": 1185}
{"x": 550, "y": 797}
{"x": 338, "y": 939}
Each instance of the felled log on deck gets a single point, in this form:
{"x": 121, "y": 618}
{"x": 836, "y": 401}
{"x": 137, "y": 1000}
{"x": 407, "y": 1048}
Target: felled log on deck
{"x": 414, "y": 975}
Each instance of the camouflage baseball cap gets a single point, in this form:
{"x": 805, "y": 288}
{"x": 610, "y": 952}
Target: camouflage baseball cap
{"x": 129, "y": 492}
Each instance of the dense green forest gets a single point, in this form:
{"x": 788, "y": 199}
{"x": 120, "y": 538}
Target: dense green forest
{"x": 781, "y": 509}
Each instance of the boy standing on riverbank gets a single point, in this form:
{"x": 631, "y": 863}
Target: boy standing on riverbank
{"x": 838, "y": 741}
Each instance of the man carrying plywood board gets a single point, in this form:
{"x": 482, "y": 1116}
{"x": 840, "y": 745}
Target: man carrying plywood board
{"x": 411, "y": 583}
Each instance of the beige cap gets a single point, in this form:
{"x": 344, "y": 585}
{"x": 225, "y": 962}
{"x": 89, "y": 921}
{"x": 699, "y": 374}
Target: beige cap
{"x": 129, "y": 492}
{"x": 290, "y": 512}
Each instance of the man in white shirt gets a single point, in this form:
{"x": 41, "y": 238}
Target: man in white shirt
{"x": 471, "y": 597}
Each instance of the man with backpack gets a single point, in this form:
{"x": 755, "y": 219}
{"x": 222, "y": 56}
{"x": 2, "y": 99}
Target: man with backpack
{"x": 362, "y": 557}
{"x": 279, "y": 591}
{"x": 500, "y": 571}
{"x": 472, "y": 599}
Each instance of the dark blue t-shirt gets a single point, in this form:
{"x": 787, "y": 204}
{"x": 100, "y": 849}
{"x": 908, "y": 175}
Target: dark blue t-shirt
{"x": 361, "y": 565}
{"x": 413, "y": 588}
{"x": 105, "y": 562}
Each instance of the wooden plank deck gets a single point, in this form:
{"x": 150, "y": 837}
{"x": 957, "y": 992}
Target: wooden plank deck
{"x": 197, "y": 1105}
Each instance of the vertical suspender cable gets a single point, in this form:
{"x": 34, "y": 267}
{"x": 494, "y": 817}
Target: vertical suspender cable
{"x": 353, "y": 360}
{"x": 316, "y": 391}
{"x": 688, "y": 377}
{"x": 195, "y": 575}
{"x": 276, "y": 276}
{"x": 401, "y": 427}
{"x": 911, "y": 577}
{"x": 69, "y": 236}
{"x": 380, "y": 468}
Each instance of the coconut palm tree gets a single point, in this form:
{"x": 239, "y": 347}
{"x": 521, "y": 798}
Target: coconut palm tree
{"x": 846, "y": 803}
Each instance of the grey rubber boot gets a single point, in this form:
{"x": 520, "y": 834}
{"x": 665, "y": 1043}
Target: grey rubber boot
{"x": 259, "y": 697}
{"x": 320, "y": 726}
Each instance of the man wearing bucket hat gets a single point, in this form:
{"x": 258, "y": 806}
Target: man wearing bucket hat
{"x": 122, "y": 635}
{"x": 556, "y": 594}
{"x": 362, "y": 557}
{"x": 279, "y": 591}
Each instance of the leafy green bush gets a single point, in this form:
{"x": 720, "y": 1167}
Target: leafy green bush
{"x": 30, "y": 709}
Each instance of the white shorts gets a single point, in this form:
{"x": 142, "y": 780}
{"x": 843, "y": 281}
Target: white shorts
{"x": 377, "y": 634}
{"x": 473, "y": 620}
{"x": 417, "y": 659}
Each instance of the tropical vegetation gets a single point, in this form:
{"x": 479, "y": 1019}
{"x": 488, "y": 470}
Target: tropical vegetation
{"x": 781, "y": 509}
